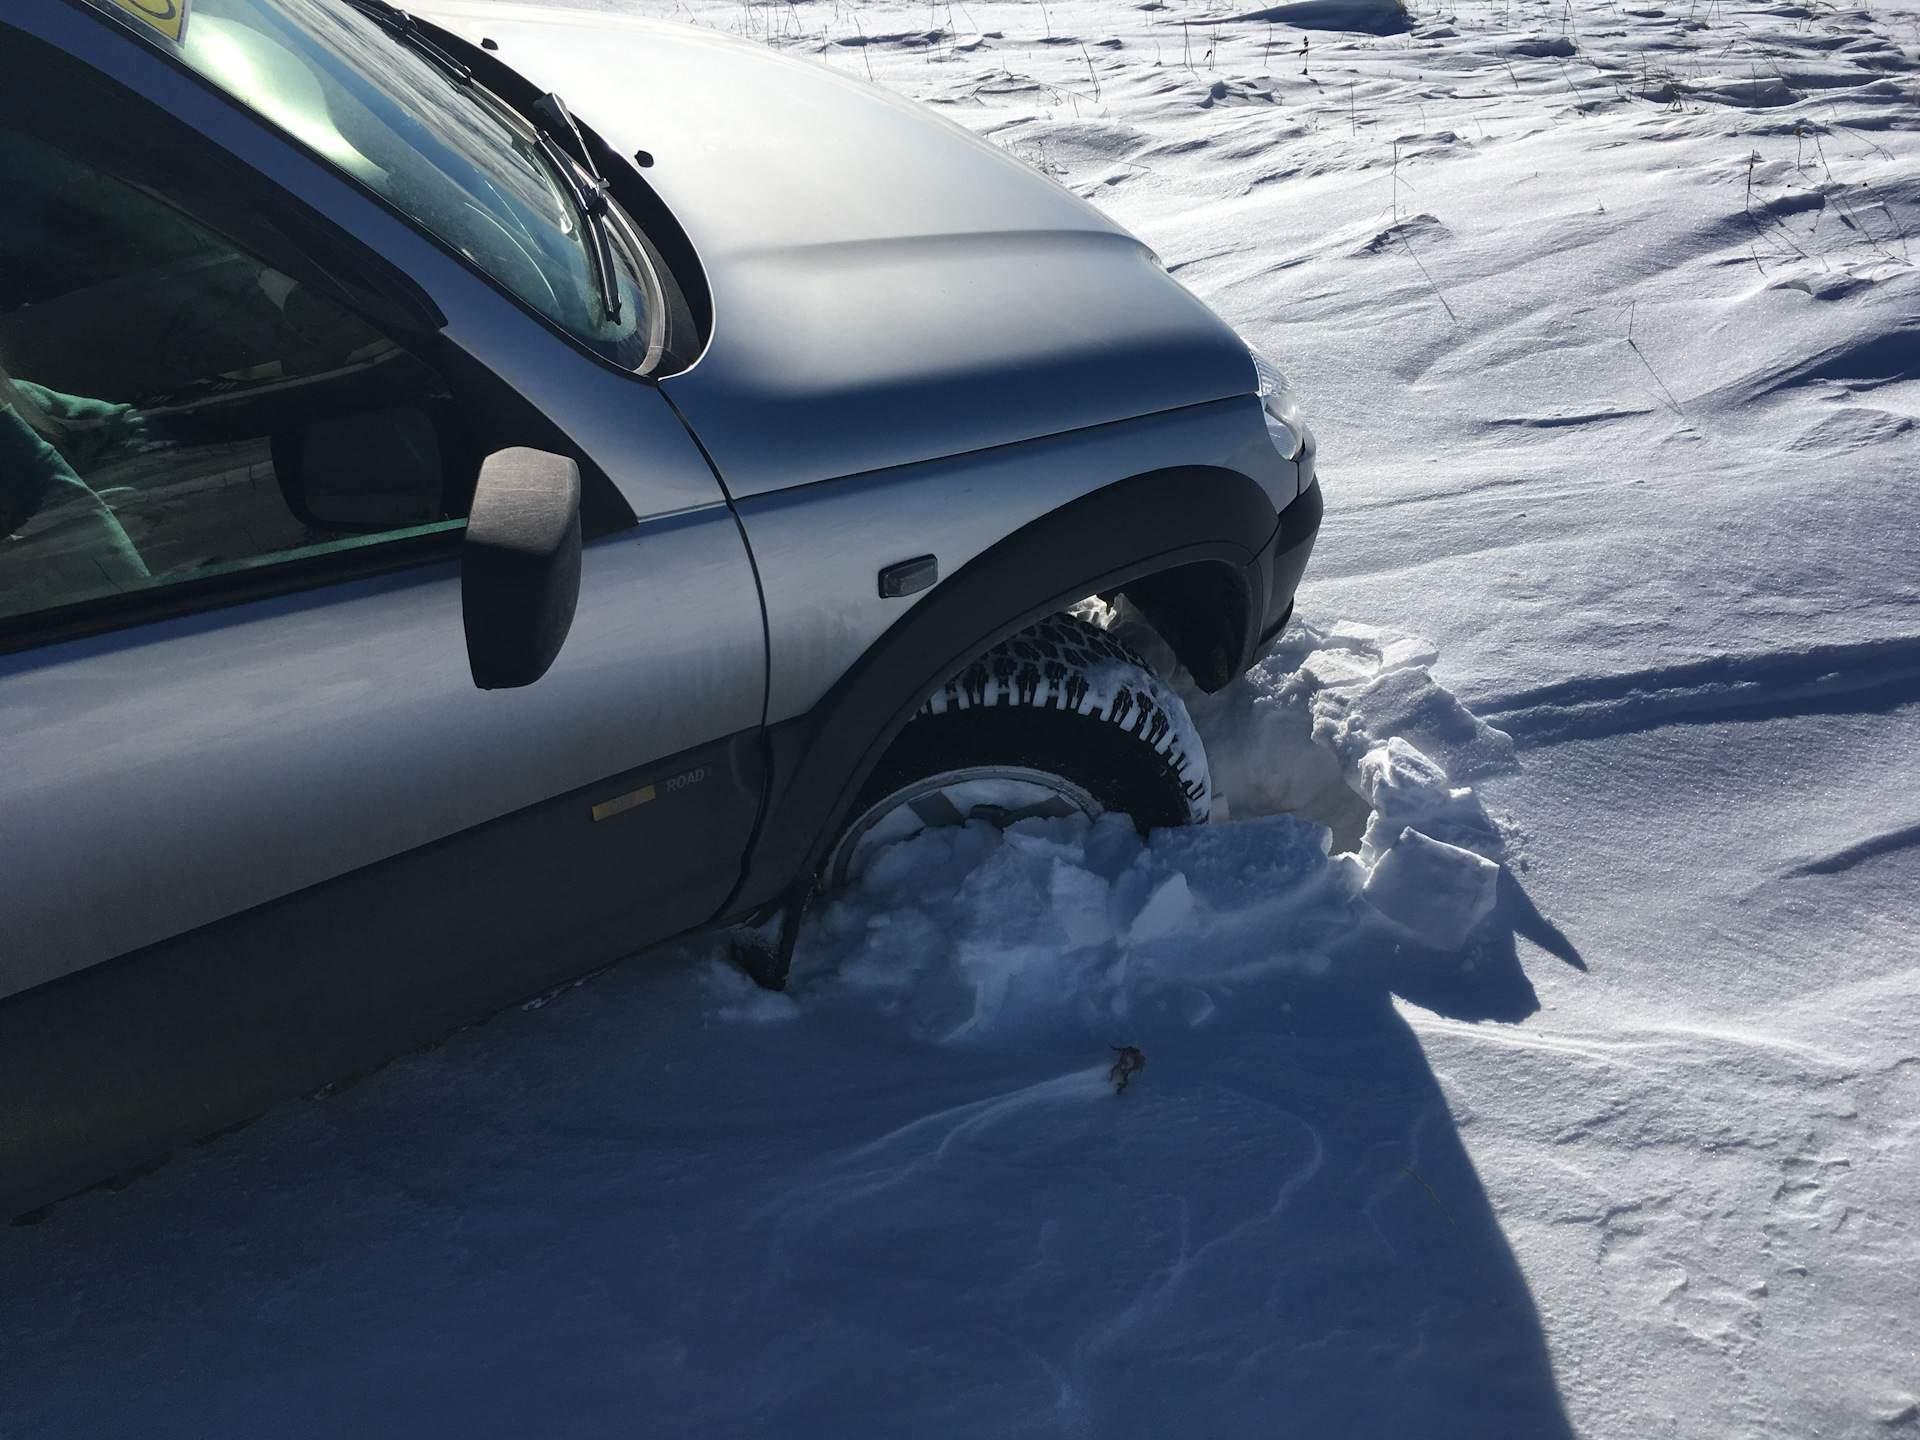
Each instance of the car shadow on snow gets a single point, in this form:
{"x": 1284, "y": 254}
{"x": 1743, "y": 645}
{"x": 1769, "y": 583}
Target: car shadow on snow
{"x": 1486, "y": 981}
{"x": 1276, "y": 1230}
{"x": 636, "y": 1208}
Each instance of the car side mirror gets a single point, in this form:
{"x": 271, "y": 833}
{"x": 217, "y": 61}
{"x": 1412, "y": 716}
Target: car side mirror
{"x": 364, "y": 472}
{"x": 520, "y": 566}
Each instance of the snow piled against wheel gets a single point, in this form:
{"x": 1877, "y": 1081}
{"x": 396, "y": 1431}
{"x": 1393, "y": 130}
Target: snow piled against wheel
{"x": 1345, "y": 769}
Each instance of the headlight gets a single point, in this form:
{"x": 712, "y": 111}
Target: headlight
{"x": 1283, "y": 413}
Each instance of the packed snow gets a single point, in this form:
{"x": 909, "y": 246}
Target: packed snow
{"x": 1534, "y": 1050}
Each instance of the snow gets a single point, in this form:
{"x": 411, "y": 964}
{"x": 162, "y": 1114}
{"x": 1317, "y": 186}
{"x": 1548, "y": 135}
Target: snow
{"x": 1438, "y": 893}
{"x": 1536, "y": 1051}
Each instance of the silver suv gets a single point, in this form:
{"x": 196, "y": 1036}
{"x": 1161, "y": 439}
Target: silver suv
{"x": 455, "y": 535}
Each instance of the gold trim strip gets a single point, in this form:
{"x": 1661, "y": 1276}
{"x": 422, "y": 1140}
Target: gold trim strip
{"x": 620, "y": 804}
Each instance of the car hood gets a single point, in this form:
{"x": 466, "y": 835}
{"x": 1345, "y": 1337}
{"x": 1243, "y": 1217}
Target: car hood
{"x": 886, "y": 287}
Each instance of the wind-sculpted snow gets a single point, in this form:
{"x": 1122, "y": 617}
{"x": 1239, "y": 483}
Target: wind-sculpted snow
{"x": 1604, "y": 317}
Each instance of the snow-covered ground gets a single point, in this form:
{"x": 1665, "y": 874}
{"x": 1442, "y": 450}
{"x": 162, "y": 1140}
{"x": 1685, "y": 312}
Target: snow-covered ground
{"x": 1608, "y": 321}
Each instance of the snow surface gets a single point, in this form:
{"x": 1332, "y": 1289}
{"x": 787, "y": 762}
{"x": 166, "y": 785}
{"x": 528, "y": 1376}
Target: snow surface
{"x": 1605, "y": 317}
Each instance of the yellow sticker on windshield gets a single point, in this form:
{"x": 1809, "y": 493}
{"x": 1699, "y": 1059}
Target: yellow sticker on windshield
{"x": 169, "y": 17}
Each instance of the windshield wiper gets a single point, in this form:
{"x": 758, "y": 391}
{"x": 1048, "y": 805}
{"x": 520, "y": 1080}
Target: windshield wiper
{"x": 404, "y": 28}
{"x": 554, "y": 129}
{"x": 573, "y": 162}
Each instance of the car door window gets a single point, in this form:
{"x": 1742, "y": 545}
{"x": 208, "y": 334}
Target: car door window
{"x": 174, "y": 408}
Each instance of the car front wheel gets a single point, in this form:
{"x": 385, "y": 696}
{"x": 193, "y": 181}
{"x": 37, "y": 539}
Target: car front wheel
{"x": 1060, "y": 719}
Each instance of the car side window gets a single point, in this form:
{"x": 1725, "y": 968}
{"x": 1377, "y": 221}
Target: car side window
{"x": 174, "y": 408}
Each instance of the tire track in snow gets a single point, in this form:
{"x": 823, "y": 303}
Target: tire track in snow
{"x": 1822, "y": 679}
{"x": 1886, "y": 842}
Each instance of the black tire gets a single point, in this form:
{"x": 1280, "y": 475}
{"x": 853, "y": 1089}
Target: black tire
{"x": 1064, "y": 698}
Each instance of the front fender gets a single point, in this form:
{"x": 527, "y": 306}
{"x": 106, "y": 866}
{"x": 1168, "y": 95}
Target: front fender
{"x": 818, "y": 549}
{"x": 1197, "y": 521}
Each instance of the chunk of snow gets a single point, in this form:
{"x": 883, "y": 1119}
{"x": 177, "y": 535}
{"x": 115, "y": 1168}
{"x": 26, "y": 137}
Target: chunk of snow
{"x": 1081, "y": 903}
{"x": 1435, "y": 891}
{"x": 1169, "y": 911}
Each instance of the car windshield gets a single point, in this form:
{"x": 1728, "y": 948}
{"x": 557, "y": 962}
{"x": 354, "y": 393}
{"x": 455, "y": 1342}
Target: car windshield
{"x": 443, "y": 150}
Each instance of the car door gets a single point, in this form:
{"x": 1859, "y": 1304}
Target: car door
{"x": 234, "y": 729}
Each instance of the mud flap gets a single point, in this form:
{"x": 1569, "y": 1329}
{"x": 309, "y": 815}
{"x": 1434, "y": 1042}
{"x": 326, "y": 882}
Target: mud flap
{"x": 763, "y": 945}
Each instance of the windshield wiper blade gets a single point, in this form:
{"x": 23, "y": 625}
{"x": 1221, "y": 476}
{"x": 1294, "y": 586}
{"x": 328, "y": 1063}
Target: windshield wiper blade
{"x": 404, "y": 28}
{"x": 574, "y": 163}
{"x": 589, "y": 196}
{"x": 557, "y": 120}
